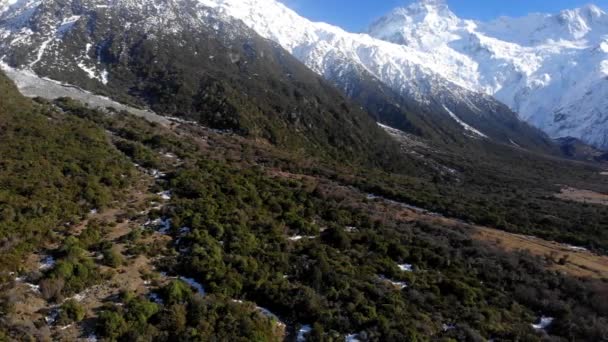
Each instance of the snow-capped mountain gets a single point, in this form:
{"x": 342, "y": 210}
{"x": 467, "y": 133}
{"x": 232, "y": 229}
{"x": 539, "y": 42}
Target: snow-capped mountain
{"x": 182, "y": 58}
{"x": 401, "y": 85}
{"x": 551, "y": 69}
{"x": 346, "y": 58}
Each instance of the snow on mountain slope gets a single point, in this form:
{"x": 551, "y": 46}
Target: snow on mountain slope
{"x": 425, "y": 78}
{"x": 551, "y": 69}
{"x": 180, "y": 58}
{"x": 345, "y": 58}
{"x": 323, "y": 47}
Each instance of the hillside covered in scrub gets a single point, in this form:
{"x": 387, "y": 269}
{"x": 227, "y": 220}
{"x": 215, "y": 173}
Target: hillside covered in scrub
{"x": 195, "y": 234}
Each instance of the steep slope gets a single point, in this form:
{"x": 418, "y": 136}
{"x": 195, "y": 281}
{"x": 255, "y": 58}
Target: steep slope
{"x": 271, "y": 253}
{"x": 181, "y": 59}
{"x": 575, "y": 148}
{"x": 104, "y": 49}
{"x": 55, "y": 169}
{"x": 365, "y": 67}
{"x": 551, "y": 69}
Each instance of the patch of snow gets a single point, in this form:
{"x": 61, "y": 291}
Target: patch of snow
{"x": 67, "y": 24}
{"x": 194, "y": 284}
{"x": 93, "y": 74}
{"x": 351, "y": 229}
{"x": 155, "y": 297}
{"x": 398, "y": 284}
{"x": 79, "y": 297}
{"x": 6, "y": 4}
{"x": 33, "y": 287}
{"x": 103, "y": 77}
{"x": 41, "y": 50}
{"x": 182, "y": 121}
{"x": 544, "y": 323}
{"x": 165, "y": 195}
{"x": 184, "y": 231}
{"x": 577, "y": 249}
{"x": 448, "y": 326}
{"x": 47, "y": 263}
{"x": 89, "y": 71}
{"x": 406, "y": 267}
{"x": 157, "y": 174}
{"x": 352, "y": 338}
{"x": 270, "y": 315}
{"x": 300, "y": 237}
{"x": 303, "y": 332}
{"x": 91, "y": 338}
{"x": 163, "y": 225}
{"x": 464, "y": 125}
{"x": 52, "y": 316}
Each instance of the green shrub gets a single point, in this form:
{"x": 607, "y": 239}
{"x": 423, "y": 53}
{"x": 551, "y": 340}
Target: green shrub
{"x": 111, "y": 325}
{"x": 177, "y": 292}
{"x": 112, "y": 257}
{"x": 71, "y": 311}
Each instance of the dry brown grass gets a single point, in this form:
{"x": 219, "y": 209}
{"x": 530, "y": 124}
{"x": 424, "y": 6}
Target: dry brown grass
{"x": 575, "y": 262}
{"x": 579, "y": 263}
{"x": 583, "y": 196}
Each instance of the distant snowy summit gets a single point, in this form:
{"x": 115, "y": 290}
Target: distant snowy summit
{"x": 551, "y": 69}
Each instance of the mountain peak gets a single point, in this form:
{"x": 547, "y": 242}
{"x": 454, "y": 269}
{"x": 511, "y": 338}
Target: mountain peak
{"x": 427, "y": 6}
{"x": 593, "y": 10}
{"x": 5, "y": 4}
{"x": 420, "y": 11}
{"x": 431, "y": 3}
{"x": 421, "y": 23}
{"x": 589, "y": 12}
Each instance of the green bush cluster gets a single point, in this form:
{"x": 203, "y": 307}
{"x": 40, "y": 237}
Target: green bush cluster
{"x": 184, "y": 316}
{"x": 240, "y": 219}
{"x": 70, "y": 311}
{"x": 55, "y": 169}
{"x": 74, "y": 272}
{"x": 337, "y": 278}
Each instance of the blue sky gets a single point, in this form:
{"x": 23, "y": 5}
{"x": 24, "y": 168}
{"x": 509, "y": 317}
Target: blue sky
{"x": 355, "y": 15}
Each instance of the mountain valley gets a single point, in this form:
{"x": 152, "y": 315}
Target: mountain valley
{"x": 222, "y": 170}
